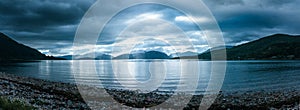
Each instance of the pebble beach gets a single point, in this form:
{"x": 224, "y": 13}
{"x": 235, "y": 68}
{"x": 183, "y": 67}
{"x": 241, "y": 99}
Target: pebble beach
{"x": 43, "y": 94}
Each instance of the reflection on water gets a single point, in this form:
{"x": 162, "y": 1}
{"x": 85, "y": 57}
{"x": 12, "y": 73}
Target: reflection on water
{"x": 240, "y": 75}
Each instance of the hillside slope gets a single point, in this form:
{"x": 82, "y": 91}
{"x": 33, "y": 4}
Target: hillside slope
{"x": 12, "y": 50}
{"x": 277, "y": 47}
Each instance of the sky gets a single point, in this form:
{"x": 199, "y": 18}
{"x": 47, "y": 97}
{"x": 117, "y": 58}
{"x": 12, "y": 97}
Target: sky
{"x": 50, "y": 25}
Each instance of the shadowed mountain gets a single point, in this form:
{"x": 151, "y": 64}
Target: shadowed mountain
{"x": 149, "y": 55}
{"x": 104, "y": 57}
{"x": 68, "y": 57}
{"x": 278, "y": 46}
{"x": 144, "y": 55}
{"x": 99, "y": 57}
{"x": 12, "y": 50}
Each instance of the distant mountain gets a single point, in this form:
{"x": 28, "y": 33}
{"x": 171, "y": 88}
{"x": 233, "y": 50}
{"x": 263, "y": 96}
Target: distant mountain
{"x": 278, "y": 46}
{"x": 99, "y": 57}
{"x": 104, "y": 57}
{"x": 124, "y": 56}
{"x": 149, "y": 55}
{"x": 67, "y": 57}
{"x": 12, "y": 50}
{"x": 144, "y": 55}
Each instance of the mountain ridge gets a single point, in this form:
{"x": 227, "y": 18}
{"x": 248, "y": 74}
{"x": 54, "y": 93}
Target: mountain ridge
{"x": 273, "y": 47}
{"x": 13, "y": 50}
{"x": 149, "y": 55}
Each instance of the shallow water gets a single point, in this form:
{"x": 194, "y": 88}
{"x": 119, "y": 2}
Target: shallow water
{"x": 164, "y": 75}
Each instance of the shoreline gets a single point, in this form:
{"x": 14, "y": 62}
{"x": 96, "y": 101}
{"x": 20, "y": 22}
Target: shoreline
{"x": 40, "y": 93}
{"x": 43, "y": 94}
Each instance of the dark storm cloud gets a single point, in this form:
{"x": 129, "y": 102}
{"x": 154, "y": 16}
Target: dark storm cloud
{"x": 247, "y": 20}
{"x": 35, "y": 21}
{"x": 41, "y": 14}
{"x": 51, "y": 24}
{"x": 224, "y": 2}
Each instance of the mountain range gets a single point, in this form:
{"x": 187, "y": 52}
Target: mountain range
{"x": 278, "y": 47}
{"x": 139, "y": 55}
{"x": 149, "y": 55}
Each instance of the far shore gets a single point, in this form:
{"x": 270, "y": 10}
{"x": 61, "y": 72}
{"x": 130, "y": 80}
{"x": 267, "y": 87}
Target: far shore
{"x": 44, "y": 94}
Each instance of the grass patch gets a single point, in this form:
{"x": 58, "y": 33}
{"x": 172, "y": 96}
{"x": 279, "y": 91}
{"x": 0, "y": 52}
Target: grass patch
{"x": 6, "y": 104}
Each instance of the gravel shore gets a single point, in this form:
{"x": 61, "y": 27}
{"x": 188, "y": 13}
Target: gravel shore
{"x": 43, "y": 94}
{"x": 40, "y": 93}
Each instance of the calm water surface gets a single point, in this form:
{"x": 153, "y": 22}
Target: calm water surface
{"x": 240, "y": 75}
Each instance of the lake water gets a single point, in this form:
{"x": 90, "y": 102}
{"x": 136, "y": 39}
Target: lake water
{"x": 135, "y": 74}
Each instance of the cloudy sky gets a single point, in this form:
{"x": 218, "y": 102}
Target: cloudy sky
{"x": 50, "y": 25}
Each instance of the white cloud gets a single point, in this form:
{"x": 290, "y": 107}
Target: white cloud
{"x": 242, "y": 42}
{"x": 145, "y": 16}
{"x": 183, "y": 19}
{"x": 44, "y": 51}
{"x": 191, "y": 19}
